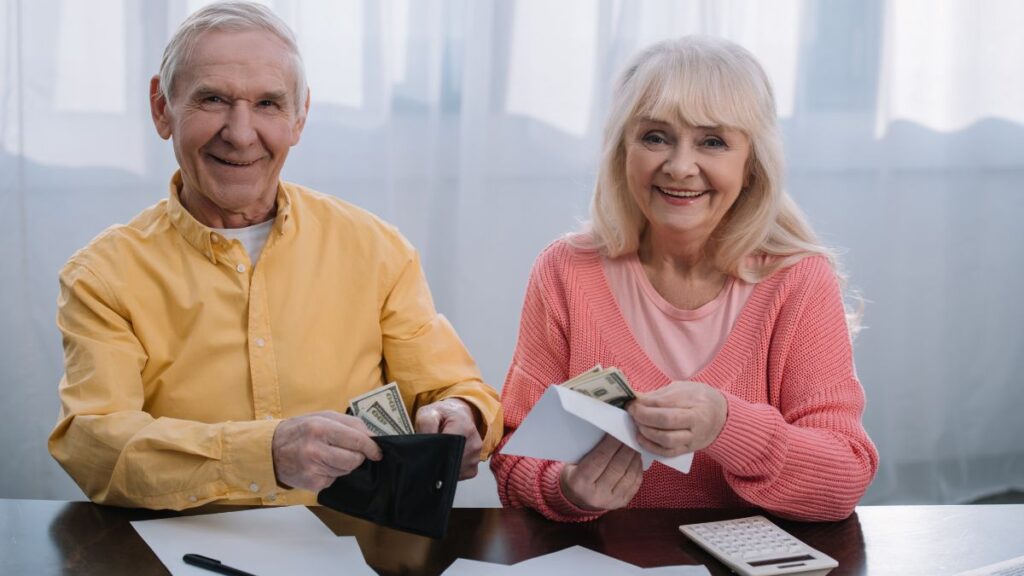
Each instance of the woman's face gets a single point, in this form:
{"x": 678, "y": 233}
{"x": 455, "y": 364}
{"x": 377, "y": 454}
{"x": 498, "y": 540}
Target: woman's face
{"x": 684, "y": 178}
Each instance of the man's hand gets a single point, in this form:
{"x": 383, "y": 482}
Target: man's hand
{"x": 679, "y": 418}
{"x": 454, "y": 416}
{"x": 310, "y": 451}
{"x": 606, "y": 478}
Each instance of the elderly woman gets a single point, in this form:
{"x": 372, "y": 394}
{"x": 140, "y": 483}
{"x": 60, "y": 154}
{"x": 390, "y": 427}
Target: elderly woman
{"x": 699, "y": 278}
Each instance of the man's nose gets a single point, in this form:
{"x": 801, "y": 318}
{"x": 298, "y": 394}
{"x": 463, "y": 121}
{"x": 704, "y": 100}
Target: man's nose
{"x": 681, "y": 163}
{"x": 239, "y": 129}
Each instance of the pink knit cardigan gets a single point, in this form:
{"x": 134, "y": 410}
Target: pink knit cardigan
{"x": 792, "y": 444}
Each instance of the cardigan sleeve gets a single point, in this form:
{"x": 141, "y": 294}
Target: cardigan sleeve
{"x": 807, "y": 455}
{"x": 540, "y": 359}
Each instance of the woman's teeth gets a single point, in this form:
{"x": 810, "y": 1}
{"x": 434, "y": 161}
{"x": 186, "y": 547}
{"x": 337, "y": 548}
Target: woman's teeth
{"x": 681, "y": 193}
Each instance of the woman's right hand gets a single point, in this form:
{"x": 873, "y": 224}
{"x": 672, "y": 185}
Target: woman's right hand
{"x": 605, "y": 479}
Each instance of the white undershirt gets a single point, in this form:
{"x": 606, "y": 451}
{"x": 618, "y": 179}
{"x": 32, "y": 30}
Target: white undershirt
{"x": 253, "y": 238}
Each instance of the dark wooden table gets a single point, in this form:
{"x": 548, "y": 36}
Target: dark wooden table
{"x": 39, "y": 537}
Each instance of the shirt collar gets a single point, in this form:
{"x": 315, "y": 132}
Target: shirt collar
{"x": 200, "y": 236}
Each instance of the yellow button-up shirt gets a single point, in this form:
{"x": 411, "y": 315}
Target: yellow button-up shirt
{"x": 181, "y": 357}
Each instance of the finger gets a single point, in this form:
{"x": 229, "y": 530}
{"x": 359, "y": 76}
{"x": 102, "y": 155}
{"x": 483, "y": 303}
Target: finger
{"x": 470, "y": 463}
{"x": 667, "y": 439}
{"x": 471, "y": 454}
{"x": 428, "y": 420}
{"x": 337, "y": 461}
{"x": 666, "y": 418}
{"x": 630, "y": 480}
{"x": 617, "y": 467}
{"x": 665, "y": 442}
{"x": 350, "y": 438}
{"x": 593, "y": 464}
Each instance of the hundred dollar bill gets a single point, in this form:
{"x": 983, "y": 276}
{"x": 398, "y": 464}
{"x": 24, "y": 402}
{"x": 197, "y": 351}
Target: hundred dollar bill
{"x": 382, "y": 409}
{"x": 608, "y": 385}
{"x": 375, "y": 428}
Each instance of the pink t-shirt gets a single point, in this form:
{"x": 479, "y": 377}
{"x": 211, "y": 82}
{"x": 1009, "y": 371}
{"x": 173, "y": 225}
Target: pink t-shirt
{"x": 679, "y": 342}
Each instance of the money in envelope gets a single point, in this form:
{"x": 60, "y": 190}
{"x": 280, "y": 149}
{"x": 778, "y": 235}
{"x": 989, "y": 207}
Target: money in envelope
{"x": 571, "y": 418}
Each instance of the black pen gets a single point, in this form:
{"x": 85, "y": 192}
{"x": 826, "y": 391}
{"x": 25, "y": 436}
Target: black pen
{"x": 213, "y": 565}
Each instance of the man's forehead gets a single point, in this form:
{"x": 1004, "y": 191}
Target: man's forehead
{"x": 232, "y": 44}
{"x": 252, "y": 56}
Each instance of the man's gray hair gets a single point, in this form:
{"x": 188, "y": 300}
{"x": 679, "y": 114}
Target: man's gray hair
{"x": 234, "y": 16}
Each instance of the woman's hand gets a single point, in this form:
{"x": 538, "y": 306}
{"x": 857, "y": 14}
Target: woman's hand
{"x": 679, "y": 418}
{"x": 605, "y": 479}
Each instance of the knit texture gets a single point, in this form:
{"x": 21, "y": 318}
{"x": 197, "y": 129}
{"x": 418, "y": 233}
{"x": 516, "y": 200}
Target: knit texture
{"x": 792, "y": 444}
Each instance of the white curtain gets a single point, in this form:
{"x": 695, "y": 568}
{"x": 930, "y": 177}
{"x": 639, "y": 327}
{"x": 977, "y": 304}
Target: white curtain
{"x": 474, "y": 126}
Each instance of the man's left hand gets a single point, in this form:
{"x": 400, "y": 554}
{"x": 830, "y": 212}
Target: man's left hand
{"x": 454, "y": 416}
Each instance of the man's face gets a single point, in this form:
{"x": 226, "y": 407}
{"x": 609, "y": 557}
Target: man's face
{"x": 232, "y": 119}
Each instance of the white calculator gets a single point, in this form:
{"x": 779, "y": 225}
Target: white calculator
{"x": 756, "y": 547}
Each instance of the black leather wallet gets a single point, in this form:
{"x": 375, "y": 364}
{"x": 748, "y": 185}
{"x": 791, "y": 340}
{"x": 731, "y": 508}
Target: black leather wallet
{"x": 411, "y": 488}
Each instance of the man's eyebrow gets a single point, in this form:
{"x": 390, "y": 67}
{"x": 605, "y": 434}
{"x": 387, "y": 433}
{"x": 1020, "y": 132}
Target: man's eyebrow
{"x": 204, "y": 91}
{"x": 276, "y": 95}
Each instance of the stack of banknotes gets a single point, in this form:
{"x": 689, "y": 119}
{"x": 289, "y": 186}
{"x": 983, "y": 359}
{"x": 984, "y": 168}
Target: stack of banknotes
{"x": 608, "y": 385}
{"x": 383, "y": 412}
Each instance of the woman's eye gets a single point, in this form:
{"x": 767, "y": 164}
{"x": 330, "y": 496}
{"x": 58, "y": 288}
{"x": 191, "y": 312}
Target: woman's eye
{"x": 714, "y": 142}
{"x": 654, "y": 138}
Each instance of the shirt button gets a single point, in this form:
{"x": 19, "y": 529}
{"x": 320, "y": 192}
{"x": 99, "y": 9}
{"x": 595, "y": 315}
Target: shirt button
{"x": 240, "y": 268}
{"x": 271, "y": 497}
{"x": 254, "y": 487}
{"x": 193, "y": 499}
{"x": 268, "y": 417}
{"x": 260, "y": 342}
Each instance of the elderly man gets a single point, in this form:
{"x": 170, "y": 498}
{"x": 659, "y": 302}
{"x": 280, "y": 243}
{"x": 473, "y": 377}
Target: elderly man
{"x": 213, "y": 343}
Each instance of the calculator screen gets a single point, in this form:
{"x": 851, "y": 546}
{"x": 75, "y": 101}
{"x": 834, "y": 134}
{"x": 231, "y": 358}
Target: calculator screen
{"x": 772, "y": 561}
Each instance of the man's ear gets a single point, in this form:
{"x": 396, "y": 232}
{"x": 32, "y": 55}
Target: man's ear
{"x": 158, "y": 108}
{"x": 300, "y": 122}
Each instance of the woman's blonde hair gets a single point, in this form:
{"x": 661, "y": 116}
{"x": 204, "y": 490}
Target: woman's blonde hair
{"x": 704, "y": 81}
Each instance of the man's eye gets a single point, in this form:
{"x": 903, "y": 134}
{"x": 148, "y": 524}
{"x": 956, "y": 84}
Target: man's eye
{"x": 267, "y": 104}
{"x": 213, "y": 100}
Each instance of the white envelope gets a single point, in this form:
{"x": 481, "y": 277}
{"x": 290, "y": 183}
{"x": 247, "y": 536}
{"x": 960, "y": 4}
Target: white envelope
{"x": 564, "y": 425}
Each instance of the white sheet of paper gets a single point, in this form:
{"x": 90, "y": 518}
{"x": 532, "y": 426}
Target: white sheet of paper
{"x": 466, "y": 567}
{"x": 574, "y": 560}
{"x": 681, "y": 570}
{"x": 264, "y": 541}
{"x": 564, "y": 425}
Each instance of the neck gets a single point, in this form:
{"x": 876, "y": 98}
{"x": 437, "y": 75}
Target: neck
{"x": 214, "y": 216}
{"x": 681, "y": 272}
{"x": 684, "y": 257}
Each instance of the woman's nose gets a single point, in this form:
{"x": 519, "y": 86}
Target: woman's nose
{"x": 681, "y": 163}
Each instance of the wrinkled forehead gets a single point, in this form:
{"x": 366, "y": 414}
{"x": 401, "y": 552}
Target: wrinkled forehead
{"x": 252, "y": 54}
{"x": 250, "y": 46}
